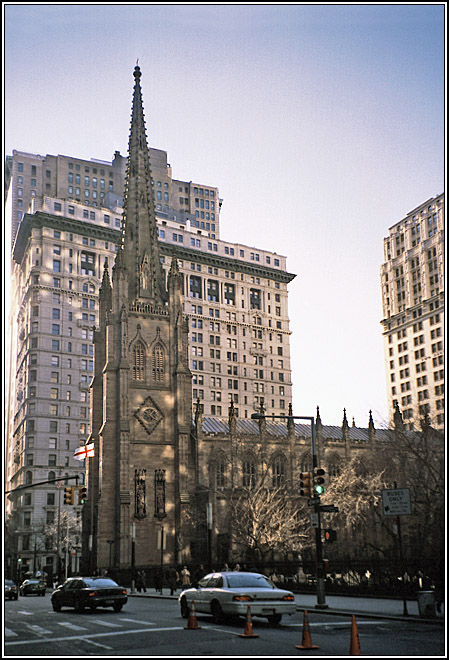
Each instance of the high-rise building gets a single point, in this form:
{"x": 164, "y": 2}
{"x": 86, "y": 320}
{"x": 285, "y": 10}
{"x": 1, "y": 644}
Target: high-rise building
{"x": 235, "y": 298}
{"x": 412, "y": 280}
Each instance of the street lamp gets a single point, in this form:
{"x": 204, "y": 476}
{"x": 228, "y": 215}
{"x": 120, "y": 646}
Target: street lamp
{"x": 110, "y": 553}
{"x": 133, "y": 556}
{"x": 315, "y": 501}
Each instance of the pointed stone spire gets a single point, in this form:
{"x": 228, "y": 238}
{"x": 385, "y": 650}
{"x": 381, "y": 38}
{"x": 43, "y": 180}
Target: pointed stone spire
{"x": 146, "y": 280}
{"x": 397, "y": 418}
{"x": 105, "y": 293}
{"x": 371, "y": 428}
{"x": 345, "y": 424}
{"x": 290, "y": 420}
{"x": 232, "y": 417}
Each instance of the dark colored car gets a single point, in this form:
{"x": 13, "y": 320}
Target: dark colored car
{"x": 91, "y": 592}
{"x": 11, "y": 591}
{"x": 37, "y": 587}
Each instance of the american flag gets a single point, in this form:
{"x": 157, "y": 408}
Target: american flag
{"x": 86, "y": 451}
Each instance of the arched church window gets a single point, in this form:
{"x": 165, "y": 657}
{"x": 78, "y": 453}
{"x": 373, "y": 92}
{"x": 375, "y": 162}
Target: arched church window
{"x": 278, "y": 471}
{"x": 334, "y": 467}
{"x": 139, "y": 361}
{"x": 249, "y": 473}
{"x": 158, "y": 362}
{"x": 217, "y": 472}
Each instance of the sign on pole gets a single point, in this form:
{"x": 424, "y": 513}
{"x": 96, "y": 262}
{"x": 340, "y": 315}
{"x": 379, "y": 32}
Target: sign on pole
{"x": 396, "y": 502}
{"x": 314, "y": 520}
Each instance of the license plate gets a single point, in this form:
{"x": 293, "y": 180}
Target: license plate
{"x": 267, "y": 610}
{"x": 108, "y": 602}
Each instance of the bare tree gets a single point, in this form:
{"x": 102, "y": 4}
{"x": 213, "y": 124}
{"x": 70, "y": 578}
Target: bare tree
{"x": 268, "y": 520}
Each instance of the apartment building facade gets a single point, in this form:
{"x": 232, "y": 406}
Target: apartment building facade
{"x": 412, "y": 282}
{"x": 234, "y": 296}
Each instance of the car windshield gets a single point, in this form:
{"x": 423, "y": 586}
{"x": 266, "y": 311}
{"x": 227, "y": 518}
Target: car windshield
{"x": 247, "y": 580}
{"x": 99, "y": 583}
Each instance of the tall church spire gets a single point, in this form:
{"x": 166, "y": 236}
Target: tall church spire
{"x": 146, "y": 282}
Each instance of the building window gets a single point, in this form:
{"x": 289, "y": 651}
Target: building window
{"x": 139, "y": 361}
{"x": 278, "y": 472}
{"x": 158, "y": 362}
{"x": 249, "y": 473}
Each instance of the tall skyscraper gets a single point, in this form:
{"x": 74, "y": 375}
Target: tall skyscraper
{"x": 235, "y": 299}
{"x": 412, "y": 280}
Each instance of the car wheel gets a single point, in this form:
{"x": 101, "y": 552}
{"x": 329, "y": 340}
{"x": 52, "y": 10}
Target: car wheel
{"x": 216, "y": 611}
{"x": 274, "y": 619}
{"x": 184, "y": 608}
{"x": 118, "y": 607}
{"x": 56, "y": 607}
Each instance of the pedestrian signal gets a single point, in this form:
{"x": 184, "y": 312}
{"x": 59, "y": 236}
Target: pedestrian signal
{"x": 330, "y": 535}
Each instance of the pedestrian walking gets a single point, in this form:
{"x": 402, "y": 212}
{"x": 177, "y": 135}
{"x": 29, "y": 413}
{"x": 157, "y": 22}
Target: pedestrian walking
{"x": 172, "y": 579}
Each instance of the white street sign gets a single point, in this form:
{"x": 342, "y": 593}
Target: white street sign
{"x": 314, "y": 520}
{"x": 396, "y": 502}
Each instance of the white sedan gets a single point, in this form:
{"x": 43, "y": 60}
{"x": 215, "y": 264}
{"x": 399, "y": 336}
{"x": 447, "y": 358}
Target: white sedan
{"x": 230, "y": 593}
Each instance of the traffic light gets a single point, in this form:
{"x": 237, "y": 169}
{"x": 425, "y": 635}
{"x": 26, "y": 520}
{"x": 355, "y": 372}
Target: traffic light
{"x": 330, "y": 535}
{"x": 318, "y": 481}
{"x": 306, "y": 484}
{"x": 82, "y": 494}
{"x": 69, "y": 495}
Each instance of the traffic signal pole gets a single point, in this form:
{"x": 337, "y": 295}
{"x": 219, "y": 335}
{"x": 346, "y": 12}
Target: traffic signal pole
{"x": 320, "y": 574}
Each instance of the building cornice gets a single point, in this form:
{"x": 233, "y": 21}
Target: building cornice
{"x": 218, "y": 261}
{"x": 42, "y": 219}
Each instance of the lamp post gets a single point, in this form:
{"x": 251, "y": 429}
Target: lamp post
{"x": 133, "y": 556}
{"x": 110, "y": 553}
{"x": 321, "y": 599}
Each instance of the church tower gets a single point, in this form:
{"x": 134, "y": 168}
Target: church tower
{"x": 139, "y": 478}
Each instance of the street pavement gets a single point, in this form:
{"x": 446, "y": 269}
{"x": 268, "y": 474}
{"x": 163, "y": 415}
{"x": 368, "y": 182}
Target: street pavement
{"x": 382, "y": 608}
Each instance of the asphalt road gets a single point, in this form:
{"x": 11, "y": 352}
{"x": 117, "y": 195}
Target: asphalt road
{"x": 154, "y": 627}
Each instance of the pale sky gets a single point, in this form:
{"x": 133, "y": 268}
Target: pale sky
{"x": 321, "y": 125}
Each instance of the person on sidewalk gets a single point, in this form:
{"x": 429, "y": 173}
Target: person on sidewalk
{"x": 172, "y": 579}
{"x": 185, "y": 577}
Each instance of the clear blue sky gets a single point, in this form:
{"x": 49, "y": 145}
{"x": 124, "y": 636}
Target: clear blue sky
{"x": 321, "y": 125}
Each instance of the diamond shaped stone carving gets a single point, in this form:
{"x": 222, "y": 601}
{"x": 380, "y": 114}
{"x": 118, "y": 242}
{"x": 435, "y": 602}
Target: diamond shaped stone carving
{"x": 149, "y": 415}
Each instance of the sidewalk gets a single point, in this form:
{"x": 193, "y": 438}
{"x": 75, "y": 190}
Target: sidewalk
{"x": 382, "y": 608}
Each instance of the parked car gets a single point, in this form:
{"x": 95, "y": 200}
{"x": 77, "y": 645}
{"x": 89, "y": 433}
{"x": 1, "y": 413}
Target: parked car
{"x": 91, "y": 592}
{"x": 31, "y": 586}
{"x": 11, "y": 591}
{"x": 230, "y": 593}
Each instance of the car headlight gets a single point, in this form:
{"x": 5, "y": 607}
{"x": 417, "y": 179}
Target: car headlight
{"x": 242, "y": 598}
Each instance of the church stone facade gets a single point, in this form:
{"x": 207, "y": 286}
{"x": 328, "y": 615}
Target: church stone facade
{"x": 141, "y": 391}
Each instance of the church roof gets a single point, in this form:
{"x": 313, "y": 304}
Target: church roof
{"x": 218, "y": 425}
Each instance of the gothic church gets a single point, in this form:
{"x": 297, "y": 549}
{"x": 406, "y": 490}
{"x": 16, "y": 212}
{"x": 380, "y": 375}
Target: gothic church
{"x": 141, "y": 395}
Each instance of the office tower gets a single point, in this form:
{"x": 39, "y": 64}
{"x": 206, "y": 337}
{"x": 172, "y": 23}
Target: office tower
{"x": 412, "y": 280}
{"x": 234, "y": 296}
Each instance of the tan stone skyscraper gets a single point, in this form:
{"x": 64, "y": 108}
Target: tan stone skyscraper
{"x": 141, "y": 392}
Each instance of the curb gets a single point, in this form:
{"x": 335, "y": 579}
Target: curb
{"x": 337, "y": 612}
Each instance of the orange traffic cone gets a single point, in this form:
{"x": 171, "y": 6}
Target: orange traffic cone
{"x": 192, "y": 623}
{"x": 354, "y": 648}
{"x": 306, "y": 636}
{"x": 248, "y": 632}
